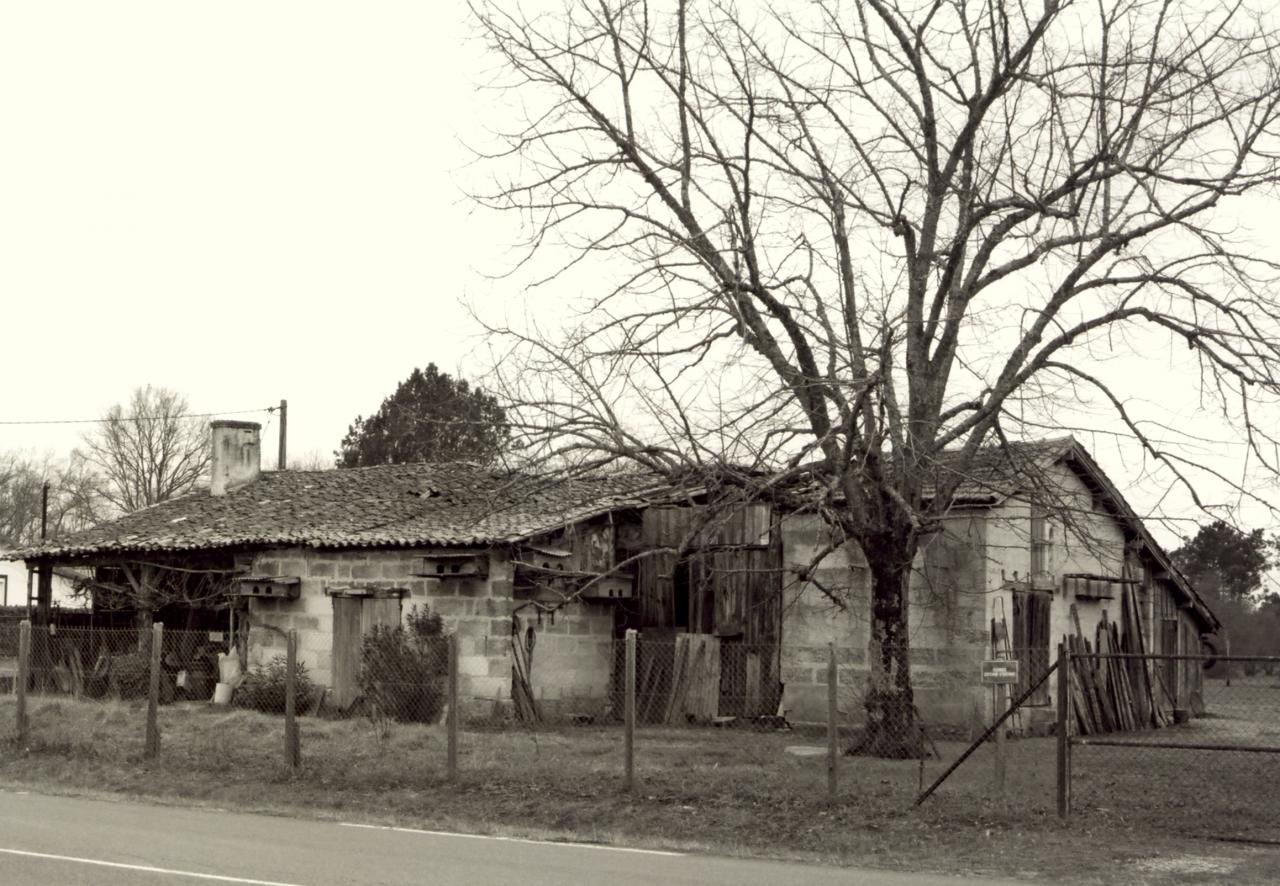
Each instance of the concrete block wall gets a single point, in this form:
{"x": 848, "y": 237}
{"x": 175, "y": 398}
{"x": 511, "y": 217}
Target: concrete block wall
{"x": 572, "y": 660}
{"x": 950, "y": 632}
{"x": 811, "y": 621}
{"x": 946, "y": 622}
{"x": 478, "y": 610}
{"x": 571, "y": 657}
{"x": 1085, "y": 541}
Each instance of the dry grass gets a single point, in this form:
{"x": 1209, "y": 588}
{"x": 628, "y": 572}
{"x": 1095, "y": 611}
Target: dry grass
{"x": 712, "y": 790}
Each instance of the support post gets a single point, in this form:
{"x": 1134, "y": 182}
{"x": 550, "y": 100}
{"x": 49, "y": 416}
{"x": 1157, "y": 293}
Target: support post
{"x": 282, "y": 464}
{"x": 292, "y": 742}
{"x": 22, "y": 679}
{"x": 1002, "y": 705}
{"x": 44, "y": 578}
{"x": 44, "y": 592}
{"x": 1064, "y": 730}
{"x": 629, "y": 713}
{"x": 1226, "y": 642}
{"x": 833, "y": 739}
{"x": 451, "y": 715}
{"x": 153, "y": 694}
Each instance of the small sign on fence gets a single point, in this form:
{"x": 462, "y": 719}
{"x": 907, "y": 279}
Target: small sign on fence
{"x": 999, "y": 672}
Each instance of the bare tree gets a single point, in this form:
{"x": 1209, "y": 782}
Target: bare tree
{"x": 845, "y": 239}
{"x": 75, "y": 498}
{"x": 312, "y": 460}
{"x": 150, "y": 450}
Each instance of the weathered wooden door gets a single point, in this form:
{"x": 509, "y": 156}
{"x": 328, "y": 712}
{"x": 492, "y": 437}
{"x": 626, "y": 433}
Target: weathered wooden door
{"x": 1030, "y": 641}
{"x": 353, "y": 617}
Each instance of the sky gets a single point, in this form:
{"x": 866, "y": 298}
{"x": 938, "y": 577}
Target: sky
{"x": 245, "y": 202}
{"x": 239, "y": 201}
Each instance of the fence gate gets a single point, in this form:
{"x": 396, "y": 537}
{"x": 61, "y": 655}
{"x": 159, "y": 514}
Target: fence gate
{"x": 1190, "y": 744}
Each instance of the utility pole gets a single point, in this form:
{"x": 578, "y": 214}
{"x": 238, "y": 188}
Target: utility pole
{"x": 284, "y": 434}
{"x": 44, "y": 575}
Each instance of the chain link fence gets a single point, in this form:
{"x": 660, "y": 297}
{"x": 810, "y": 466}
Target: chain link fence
{"x": 1211, "y": 766}
{"x": 687, "y": 718}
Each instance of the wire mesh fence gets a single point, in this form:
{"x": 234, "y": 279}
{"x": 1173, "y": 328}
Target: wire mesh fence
{"x": 698, "y": 680}
{"x": 1202, "y": 757}
{"x": 694, "y": 718}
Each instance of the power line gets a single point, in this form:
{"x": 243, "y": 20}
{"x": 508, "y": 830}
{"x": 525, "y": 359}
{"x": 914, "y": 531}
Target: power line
{"x": 104, "y": 421}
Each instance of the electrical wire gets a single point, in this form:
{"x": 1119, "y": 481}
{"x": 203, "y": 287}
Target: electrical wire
{"x": 104, "y": 421}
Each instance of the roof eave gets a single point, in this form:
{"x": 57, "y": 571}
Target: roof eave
{"x": 1197, "y": 604}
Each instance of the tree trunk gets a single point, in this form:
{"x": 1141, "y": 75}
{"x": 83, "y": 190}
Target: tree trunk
{"x": 143, "y": 620}
{"x": 144, "y": 600}
{"x": 891, "y": 729}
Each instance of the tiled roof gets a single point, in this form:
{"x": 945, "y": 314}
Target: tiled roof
{"x": 385, "y": 506}
{"x": 997, "y": 472}
{"x": 458, "y": 504}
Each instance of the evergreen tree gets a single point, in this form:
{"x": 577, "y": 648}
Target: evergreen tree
{"x": 431, "y": 417}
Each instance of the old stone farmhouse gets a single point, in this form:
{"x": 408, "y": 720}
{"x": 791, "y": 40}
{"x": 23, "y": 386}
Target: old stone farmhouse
{"x": 569, "y": 566}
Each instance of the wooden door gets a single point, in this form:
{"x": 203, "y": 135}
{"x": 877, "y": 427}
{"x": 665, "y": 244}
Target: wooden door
{"x": 353, "y": 617}
{"x": 1030, "y": 641}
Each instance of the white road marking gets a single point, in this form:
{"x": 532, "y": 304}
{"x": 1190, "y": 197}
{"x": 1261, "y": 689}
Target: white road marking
{"x": 146, "y": 869}
{"x": 600, "y": 846}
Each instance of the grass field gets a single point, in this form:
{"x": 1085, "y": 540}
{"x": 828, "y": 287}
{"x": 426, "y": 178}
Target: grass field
{"x": 712, "y": 790}
{"x": 1192, "y": 790}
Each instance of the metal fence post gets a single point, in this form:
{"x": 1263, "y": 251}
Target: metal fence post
{"x": 153, "y": 693}
{"x": 451, "y": 715}
{"x": 292, "y": 741}
{"x": 22, "y": 679}
{"x": 629, "y": 712}
{"x": 833, "y": 744}
{"x": 1064, "y": 730}
{"x": 1002, "y": 705}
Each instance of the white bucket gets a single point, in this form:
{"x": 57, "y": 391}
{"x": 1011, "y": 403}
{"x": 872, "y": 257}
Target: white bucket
{"x": 229, "y": 668}
{"x": 222, "y": 693}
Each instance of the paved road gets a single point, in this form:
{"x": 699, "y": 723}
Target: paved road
{"x": 73, "y": 841}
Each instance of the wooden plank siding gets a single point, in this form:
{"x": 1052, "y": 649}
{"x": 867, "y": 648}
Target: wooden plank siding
{"x": 655, "y": 574}
{"x": 730, "y": 588}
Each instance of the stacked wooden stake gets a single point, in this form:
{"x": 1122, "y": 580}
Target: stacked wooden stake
{"x": 522, "y": 698}
{"x": 1113, "y": 694}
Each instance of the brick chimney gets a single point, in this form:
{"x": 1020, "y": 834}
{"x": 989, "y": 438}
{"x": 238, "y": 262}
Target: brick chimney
{"x": 237, "y": 455}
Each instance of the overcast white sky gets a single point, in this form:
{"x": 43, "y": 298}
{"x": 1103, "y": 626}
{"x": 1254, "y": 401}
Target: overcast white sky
{"x": 243, "y": 202}
{"x": 240, "y": 201}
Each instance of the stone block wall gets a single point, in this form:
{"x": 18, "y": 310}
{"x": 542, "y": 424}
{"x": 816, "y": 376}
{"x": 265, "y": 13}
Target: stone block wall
{"x": 571, "y": 656}
{"x": 1084, "y": 540}
{"x": 572, "y": 660}
{"x": 946, "y": 621}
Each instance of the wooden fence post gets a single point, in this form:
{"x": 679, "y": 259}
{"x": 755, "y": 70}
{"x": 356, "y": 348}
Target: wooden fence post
{"x": 1064, "y": 730}
{"x": 292, "y": 742}
{"x": 451, "y": 712}
{"x": 153, "y": 693}
{"x": 833, "y": 743}
{"x": 629, "y": 712}
{"x": 22, "y": 679}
